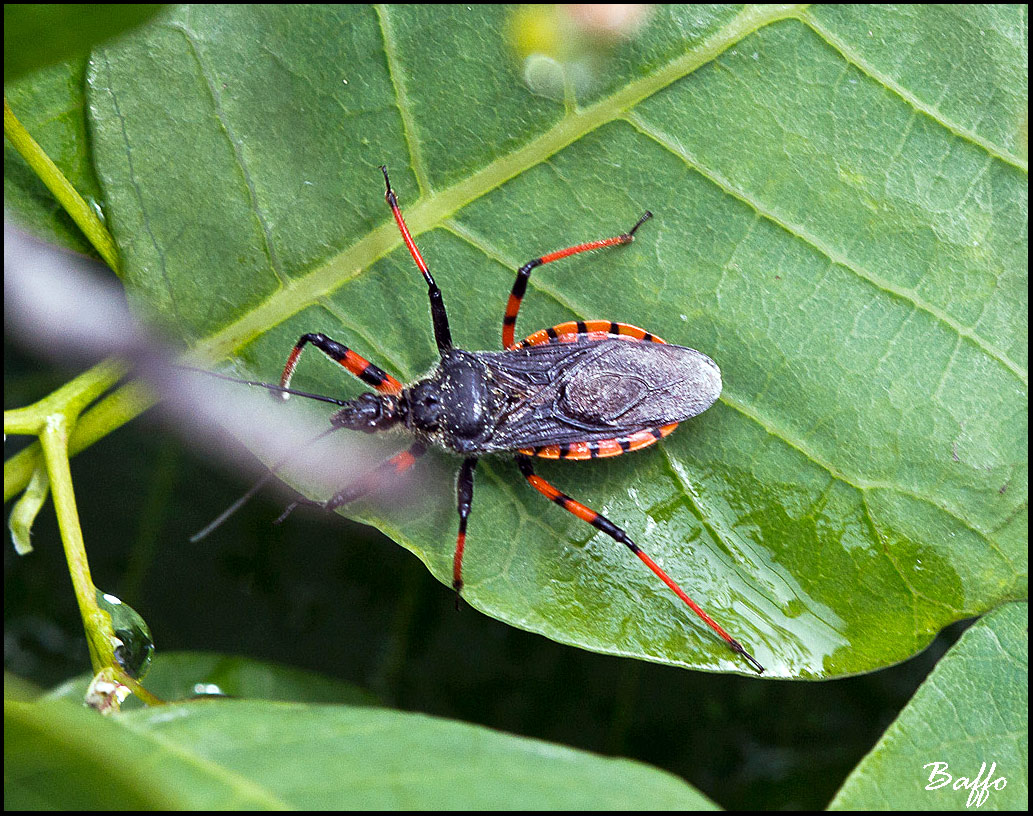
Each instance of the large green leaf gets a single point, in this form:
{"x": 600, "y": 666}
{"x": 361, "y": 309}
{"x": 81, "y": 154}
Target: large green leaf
{"x": 841, "y": 224}
{"x": 969, "y": 721}
{"x": 223, "y": 754}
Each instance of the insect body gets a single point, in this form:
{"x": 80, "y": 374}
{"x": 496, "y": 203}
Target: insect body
{"x": 578, "y": 390}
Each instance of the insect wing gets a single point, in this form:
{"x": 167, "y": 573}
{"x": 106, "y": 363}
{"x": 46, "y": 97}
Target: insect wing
{"x": 592, "y": 390}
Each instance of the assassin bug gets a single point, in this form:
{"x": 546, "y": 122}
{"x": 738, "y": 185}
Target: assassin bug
{"x": 578, "y": 390}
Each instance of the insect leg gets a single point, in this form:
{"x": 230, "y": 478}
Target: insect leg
{"x": 524, "y": 273}
{"x": 340, "y": 353}
{"x": 442, "y": 334}
{"x": 602, "y": 523}
{"x": 464, "y": 494}
{"x": 376, "y": 478}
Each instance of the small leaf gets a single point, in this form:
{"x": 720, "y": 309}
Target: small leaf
{"x": 969, "y": 720}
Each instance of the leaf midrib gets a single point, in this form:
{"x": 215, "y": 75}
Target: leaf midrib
{"x": 436, "y": 207}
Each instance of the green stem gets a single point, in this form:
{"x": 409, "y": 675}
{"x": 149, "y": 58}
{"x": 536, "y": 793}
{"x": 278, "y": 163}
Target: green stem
{"x": 63, "y": 191}
{"x": 100, "y": 635}
{"x": 110, "y": 413}
{"x": 70, "y": 399}
{"x": 54, "y": 420}
{"x": 51, "y": 419}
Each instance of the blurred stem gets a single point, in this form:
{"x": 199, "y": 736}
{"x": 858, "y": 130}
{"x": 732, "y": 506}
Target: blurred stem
{"x": 67, "y": 196}
{"x": 155, "y": 510}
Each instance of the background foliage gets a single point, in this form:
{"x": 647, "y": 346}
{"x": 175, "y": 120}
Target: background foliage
{"x": 841, "y": 222}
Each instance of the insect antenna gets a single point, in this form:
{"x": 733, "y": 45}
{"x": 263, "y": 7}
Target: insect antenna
{"x": 272, "y": 472}
{"x": 266, "y": 477}
{"x": 279, "y": 389}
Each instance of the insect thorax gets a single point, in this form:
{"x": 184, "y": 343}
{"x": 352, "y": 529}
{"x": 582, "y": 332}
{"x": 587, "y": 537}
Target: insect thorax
{"x": 455, "y": 406}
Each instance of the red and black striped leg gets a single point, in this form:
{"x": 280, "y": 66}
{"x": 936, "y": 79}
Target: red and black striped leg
{"x": 524, "y": 273}
{"x": 374, "y": 480}
{"x": 600, "y": 522}
{"x": 442, "y": 333}
{"x": 464, "y": 494}
{"x": 340, "y": 353}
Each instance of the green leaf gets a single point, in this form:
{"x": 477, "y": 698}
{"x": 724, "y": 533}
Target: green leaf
{"x": 229, "y": 754}
{"x": 840, "y": 223}
{"x": 971, "y": 716}
{"x": 60, "y": 755}
{"x": 182, "y": 675}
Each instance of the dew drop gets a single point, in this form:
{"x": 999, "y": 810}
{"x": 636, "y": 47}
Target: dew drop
{"x": 135, "y": 645}
{"x": 98, "y": 211}
{"x": 208, "y": 690}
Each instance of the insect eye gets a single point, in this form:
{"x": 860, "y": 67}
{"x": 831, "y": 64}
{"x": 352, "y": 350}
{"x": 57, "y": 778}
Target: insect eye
{"x": 426, "y": 407}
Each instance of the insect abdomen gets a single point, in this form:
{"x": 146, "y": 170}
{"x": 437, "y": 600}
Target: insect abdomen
{"x": 595, "y": 398}
{"x": 638, "y": 385}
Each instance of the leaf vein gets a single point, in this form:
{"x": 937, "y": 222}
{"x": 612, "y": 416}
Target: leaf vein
{"x": 797, "y": 231}
{"x": 889, "y": 84}
{"x": 401, "y": 98}
{"x": 238, "y": 155}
